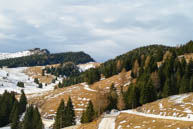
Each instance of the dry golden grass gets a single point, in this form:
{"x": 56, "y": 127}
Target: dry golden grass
{"x": 92, "y": 125}
{"x": 130, "y": 121}
{"x": 48, "y": 101}
{"x": 188, "y": 57}
{"x": 36, "y": 72}
{"x": 169, "y": 107}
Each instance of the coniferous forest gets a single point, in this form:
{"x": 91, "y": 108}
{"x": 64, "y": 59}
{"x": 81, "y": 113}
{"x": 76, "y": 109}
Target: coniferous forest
{"x": 12, "y": 110}
{"x": 173, "y": 76}
{"x": 47, "y": 59}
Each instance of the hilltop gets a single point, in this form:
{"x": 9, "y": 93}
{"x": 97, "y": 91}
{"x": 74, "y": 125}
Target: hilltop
{"x": 37, "y": 57}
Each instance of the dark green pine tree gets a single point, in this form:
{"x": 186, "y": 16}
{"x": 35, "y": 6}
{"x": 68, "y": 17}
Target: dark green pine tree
{"x": 69, "y": 114}
{"x": 184, "y": 85}
{"x": 7, "y": 101}
{"x": 134, "y": 97}
{"x": 37, "y": 121}
{"x": 88, "y": 115}
{"x": 60, "y": 116}
{"x": 167, "y": 90}
{"x": 22, "y": 103}
{"x": 15, "y": 119}
{"x": 32, "y": 119}
{"x": 15, "y": 107}
{"x": 28, "y": 118}
{"x": 148, "y": 93}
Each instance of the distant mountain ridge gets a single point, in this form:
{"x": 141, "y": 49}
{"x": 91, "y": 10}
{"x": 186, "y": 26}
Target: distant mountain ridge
{"x": 34, "y": 51}
{"x": 41, "y": 57}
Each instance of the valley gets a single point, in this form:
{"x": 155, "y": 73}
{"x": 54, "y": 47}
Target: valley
{"x": 134, "y": 90}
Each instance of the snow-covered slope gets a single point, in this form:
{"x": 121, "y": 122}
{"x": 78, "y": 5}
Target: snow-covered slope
{"x": 84, "y": 67}
{"x": 22, "y": 53}
{"x": 9, "y": 77}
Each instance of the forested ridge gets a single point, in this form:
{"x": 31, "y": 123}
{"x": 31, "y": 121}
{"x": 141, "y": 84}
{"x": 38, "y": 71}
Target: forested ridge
{"x": 173, "y": 75}
{"x": 127, "y": 61}
{"x": 47, "y": 59}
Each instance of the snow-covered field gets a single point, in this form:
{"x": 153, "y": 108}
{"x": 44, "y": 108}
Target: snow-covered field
{"x": 9, "y": 77}
{"x": 84, "y": 67}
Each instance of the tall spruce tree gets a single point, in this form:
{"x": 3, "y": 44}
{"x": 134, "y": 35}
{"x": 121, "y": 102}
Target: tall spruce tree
{"x": 32, "y": 119}
{"x": 148, "y": 93}
{"x": 184, "y": 85}
{"x": 167, "y": 90}
{"x": 69, "y": 114}
{"x": 14, "y": 109}
{"x": 60, "y": 116}
{"x": 15, "y": 119}
{"x": 22, "y": 102}
{"x": 88, "y": 115}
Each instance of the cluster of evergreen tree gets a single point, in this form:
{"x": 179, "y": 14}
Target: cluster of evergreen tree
{"x": 67, "y": 69}
{"x": 20, "y": 84}
{"x": 32, "y": 119}
{"x": 65, "y": 115}
{"x": 11, "y": 111}
{"x": 11, "y": 108}
{"x": 47, "y": 59}
{"x": 174, "y": 76}
{"x": 90, "y": 76}
{"x": 115, "y": 66}
{"x": 89, "y": 114}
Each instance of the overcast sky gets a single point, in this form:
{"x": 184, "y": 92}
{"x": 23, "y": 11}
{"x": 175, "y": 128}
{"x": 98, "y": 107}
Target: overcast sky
{"x": 102, "y": 28}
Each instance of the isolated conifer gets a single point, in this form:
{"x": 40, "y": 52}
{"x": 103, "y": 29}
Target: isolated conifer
{"x": 69, "y": 114}
{"x": 88, "y": 115}
{"x": 60, "y": 116}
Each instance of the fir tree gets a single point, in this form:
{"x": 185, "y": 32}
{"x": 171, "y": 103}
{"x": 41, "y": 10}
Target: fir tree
{"x": 60, "y": 116}
{"x": 15, "y": 119}
{"x": 22, "y": 102}
{"x": 184, "y": 85}
{"x": 148, "y": 93}
{"x": 14, "y": 109}
{"x": 32, "y": 119}
{"x": 167, "y": 90}
{"x": 88, "y": 115}
{"x": 69, "y": 114}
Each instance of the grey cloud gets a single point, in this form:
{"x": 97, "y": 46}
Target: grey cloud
{"x": 101, "y": 28}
